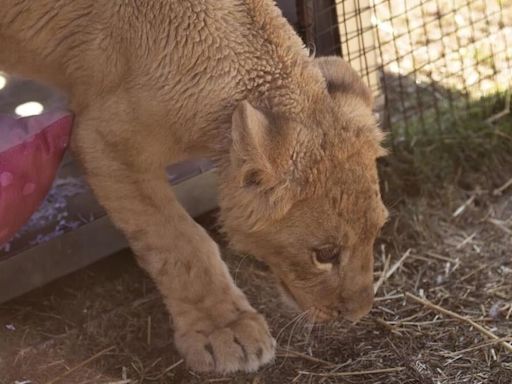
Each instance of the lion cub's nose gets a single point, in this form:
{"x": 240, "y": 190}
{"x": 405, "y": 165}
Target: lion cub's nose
{"x": 359, "y": 305}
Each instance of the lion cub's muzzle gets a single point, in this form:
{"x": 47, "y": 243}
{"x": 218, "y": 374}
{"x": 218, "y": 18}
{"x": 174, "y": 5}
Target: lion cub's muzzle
{"x": 352, "y": 309}
{"x": 351, "y": 306}
{"x": 360, "y": 304}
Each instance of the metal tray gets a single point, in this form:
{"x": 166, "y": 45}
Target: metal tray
{"x": 71, "y": 230}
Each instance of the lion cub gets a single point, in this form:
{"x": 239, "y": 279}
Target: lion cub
{"x": 158, "y": 81}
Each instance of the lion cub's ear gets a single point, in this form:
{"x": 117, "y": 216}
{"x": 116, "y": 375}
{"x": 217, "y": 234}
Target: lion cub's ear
{"x": 342, "y": 79}
{"x": 250, "y": 151}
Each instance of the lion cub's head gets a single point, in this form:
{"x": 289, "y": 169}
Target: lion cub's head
{"x": 302, "y": 194}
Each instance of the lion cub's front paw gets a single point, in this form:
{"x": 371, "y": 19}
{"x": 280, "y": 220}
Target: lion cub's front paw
{"x": 243, "y": 344}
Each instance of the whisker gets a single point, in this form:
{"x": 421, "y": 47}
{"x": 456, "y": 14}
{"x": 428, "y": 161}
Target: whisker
{"x": 299, "y": 321}
{"x": 310, "y": 325}
{"x": 295, "y": 321}
{"x": 238, "y": 268}
{"x": 296, "y": 318}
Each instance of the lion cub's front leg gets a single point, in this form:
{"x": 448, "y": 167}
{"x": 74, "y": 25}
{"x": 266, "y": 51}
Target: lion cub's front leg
{"x": 216, "y": 329}
{"x": 219, "y": 331}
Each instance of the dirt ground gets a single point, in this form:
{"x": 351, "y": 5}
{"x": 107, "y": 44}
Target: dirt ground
{"x": 107, "y": 324}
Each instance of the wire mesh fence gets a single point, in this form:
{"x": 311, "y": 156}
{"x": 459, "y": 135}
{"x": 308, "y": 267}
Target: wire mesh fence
{"x": 430, "y": 60}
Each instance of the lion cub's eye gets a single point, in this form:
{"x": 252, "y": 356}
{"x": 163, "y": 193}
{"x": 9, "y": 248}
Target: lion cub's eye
{"x": 326, "y": 255}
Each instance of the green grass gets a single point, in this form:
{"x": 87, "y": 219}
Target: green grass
{"x": 469, "y": 148}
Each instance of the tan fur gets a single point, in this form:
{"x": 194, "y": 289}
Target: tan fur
{"x": 154, "y": 82}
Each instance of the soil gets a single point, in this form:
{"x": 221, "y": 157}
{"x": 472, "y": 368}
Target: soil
{"x": 107, "y": 323}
